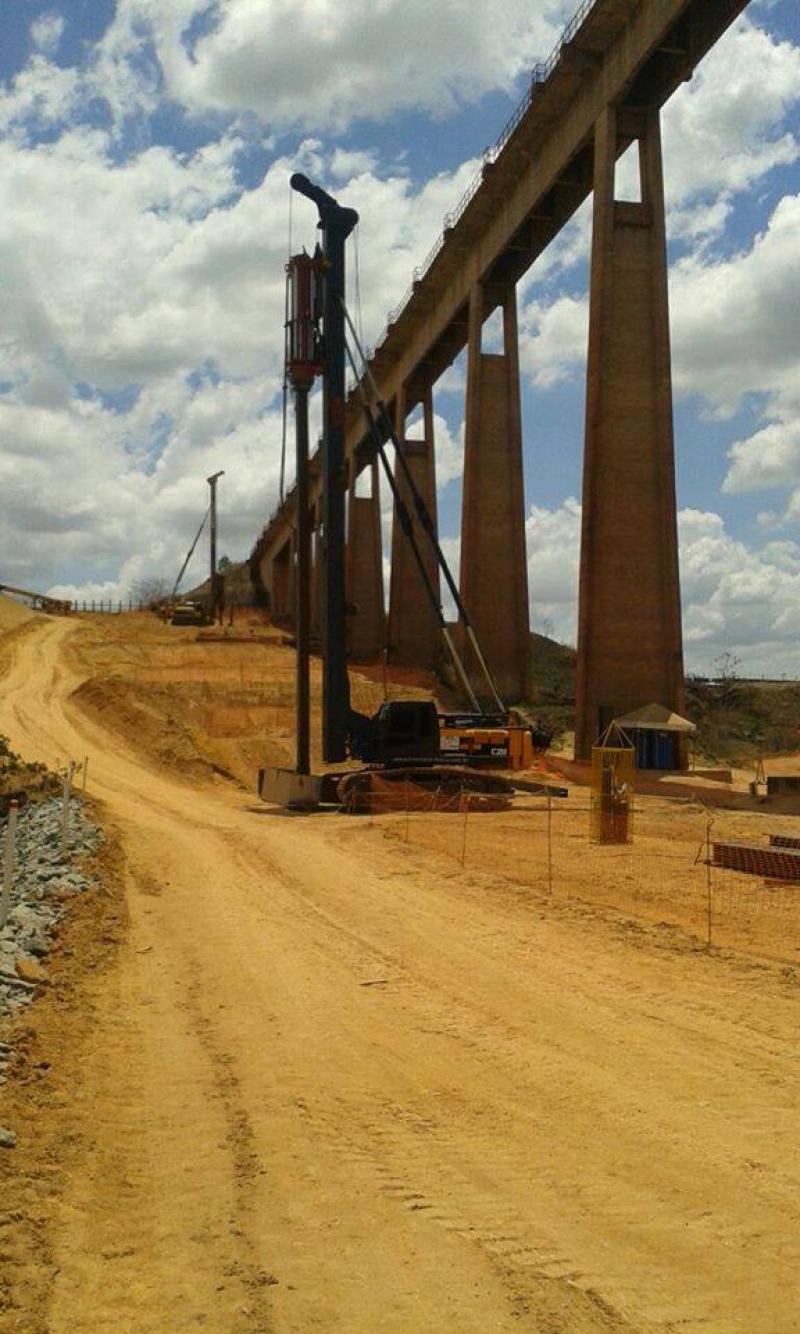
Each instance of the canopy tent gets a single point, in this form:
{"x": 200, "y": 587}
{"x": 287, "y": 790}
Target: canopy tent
{"x": 656, "y": 718}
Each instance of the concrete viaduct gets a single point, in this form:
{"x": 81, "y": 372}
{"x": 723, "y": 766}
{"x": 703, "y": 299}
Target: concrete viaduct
{"x": 601, "y": 91}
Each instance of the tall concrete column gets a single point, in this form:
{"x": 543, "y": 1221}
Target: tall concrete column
{"x": 281, "y": 583}
{"x": 629, "y": 633}
{"x": 414, "y": 636}
{"x": 366, "y": 619}
{"x": 494, "y": 570}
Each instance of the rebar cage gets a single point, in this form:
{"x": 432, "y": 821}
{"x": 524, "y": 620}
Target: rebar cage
{"x": 613, "y": 773}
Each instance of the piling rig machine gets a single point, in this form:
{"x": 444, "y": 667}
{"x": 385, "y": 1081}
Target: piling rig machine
{"x": 406, "y": 738}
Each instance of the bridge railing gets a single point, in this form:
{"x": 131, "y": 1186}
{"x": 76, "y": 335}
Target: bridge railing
{"x": 539, "y": 76}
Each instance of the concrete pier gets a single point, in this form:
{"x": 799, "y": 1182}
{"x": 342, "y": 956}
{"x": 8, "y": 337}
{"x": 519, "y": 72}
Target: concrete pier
{"x": 629, "y": 634}
{"x": 494, "y": 572}
{"x": 366, "y": 617}
{"x": 281, "y": 584}
{"x": 414, "y": 635}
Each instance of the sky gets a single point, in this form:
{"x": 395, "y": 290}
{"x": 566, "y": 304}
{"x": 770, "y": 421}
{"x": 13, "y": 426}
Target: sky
{"x": 145, "y": 221}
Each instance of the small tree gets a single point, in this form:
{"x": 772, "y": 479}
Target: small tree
{"x": 726, "y": 670}
{"x": 150, "y": 592}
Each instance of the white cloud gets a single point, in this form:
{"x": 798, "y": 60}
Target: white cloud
{"x": 117, "y": 293}
{"x": 736, "y": 321}
{"x": 736, "y": 332}
{"x": 553, "y": 540}
{"x": 84, "y": 500}
{"x": 349, "y": 162}
{"x": 553, "y": 339}
{"x": 318, "y": 64}
{"x": 162, "y": 300}
{"x": 722, "y": 130}
{"x": 770, "y": 458}
{"x": 738, "y": 598}
{"x": 449, "y": 448}
{"x": 699, "y": 222}
{"x": 46, "y": 32}
{"x": 735, "y": 597}
{"x": 41, "y": 97}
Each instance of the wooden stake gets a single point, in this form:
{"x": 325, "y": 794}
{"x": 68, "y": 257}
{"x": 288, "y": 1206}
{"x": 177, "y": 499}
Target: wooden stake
{"x": 549, "y": 844}
{"x": 465, "y": 809}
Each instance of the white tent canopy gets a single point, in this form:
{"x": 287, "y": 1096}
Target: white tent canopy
{"x": 656, "y": 718}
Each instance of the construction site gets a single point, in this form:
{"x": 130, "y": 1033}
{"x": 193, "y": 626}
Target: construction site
{"x": 341, "y": 987}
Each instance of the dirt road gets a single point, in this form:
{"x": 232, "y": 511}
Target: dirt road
{"x": 338, "y": 1086}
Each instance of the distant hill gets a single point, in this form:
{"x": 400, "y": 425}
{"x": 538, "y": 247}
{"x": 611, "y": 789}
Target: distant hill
{"x": 739, "y": 720}
{"x": 552, "y": 671}
{"x": 238, "y": 586}
{"x": 552, "y": 694}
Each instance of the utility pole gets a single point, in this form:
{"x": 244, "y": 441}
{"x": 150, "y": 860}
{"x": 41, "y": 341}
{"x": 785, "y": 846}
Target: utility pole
{"x": 214, "y": 597}
{"x": 336, "y": 224}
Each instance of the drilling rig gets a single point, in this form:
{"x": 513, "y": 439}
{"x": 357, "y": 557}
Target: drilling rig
{"x": 405, "y": 738}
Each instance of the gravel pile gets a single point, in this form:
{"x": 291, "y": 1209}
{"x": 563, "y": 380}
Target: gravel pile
{"x": 44, "y": 881}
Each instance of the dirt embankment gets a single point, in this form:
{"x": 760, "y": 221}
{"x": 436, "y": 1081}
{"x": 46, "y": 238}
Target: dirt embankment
{"x": 16, "y": 620}
{"x": 199, "y": 702}
{"x": 48, "y": 1044}
{"x": 14, "y": 614}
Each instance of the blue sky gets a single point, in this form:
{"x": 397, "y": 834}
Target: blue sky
{"x": 146, "y": 150}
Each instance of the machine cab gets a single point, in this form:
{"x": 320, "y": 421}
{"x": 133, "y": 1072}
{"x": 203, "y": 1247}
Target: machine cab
{"x": 405, "y": 729}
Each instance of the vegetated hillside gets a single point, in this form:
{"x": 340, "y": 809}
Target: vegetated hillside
{"x": 21, "y": 779}
{"x": 196, "y": 705}
{"x": 552, "y": 695}
{"x": 738, "y": 721}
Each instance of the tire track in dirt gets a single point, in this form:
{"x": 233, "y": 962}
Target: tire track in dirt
{"x": 502, "y": 1046}
{"x": 150, "y": 1215}
{"x": 247, "y": 1164}
{"x": 413, "y": 1164}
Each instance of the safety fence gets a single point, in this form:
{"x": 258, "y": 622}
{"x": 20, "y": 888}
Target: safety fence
{"x": 108, "y": 606}
{"x": 666, "y": 876}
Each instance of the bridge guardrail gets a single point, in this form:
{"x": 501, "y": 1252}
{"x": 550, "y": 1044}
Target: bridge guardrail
{"x": 539, "y": 76}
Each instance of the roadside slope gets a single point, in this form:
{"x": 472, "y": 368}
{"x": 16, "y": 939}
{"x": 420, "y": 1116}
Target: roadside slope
{"x": 336, "y": 1085}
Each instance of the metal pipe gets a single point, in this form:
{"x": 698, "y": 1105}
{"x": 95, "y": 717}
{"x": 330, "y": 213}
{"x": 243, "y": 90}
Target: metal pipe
{"x": 214, "y": 582}
{"x": 189, "y": 555}
{"x": 302, "y": 574}
{"x": 336, "y": 224}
